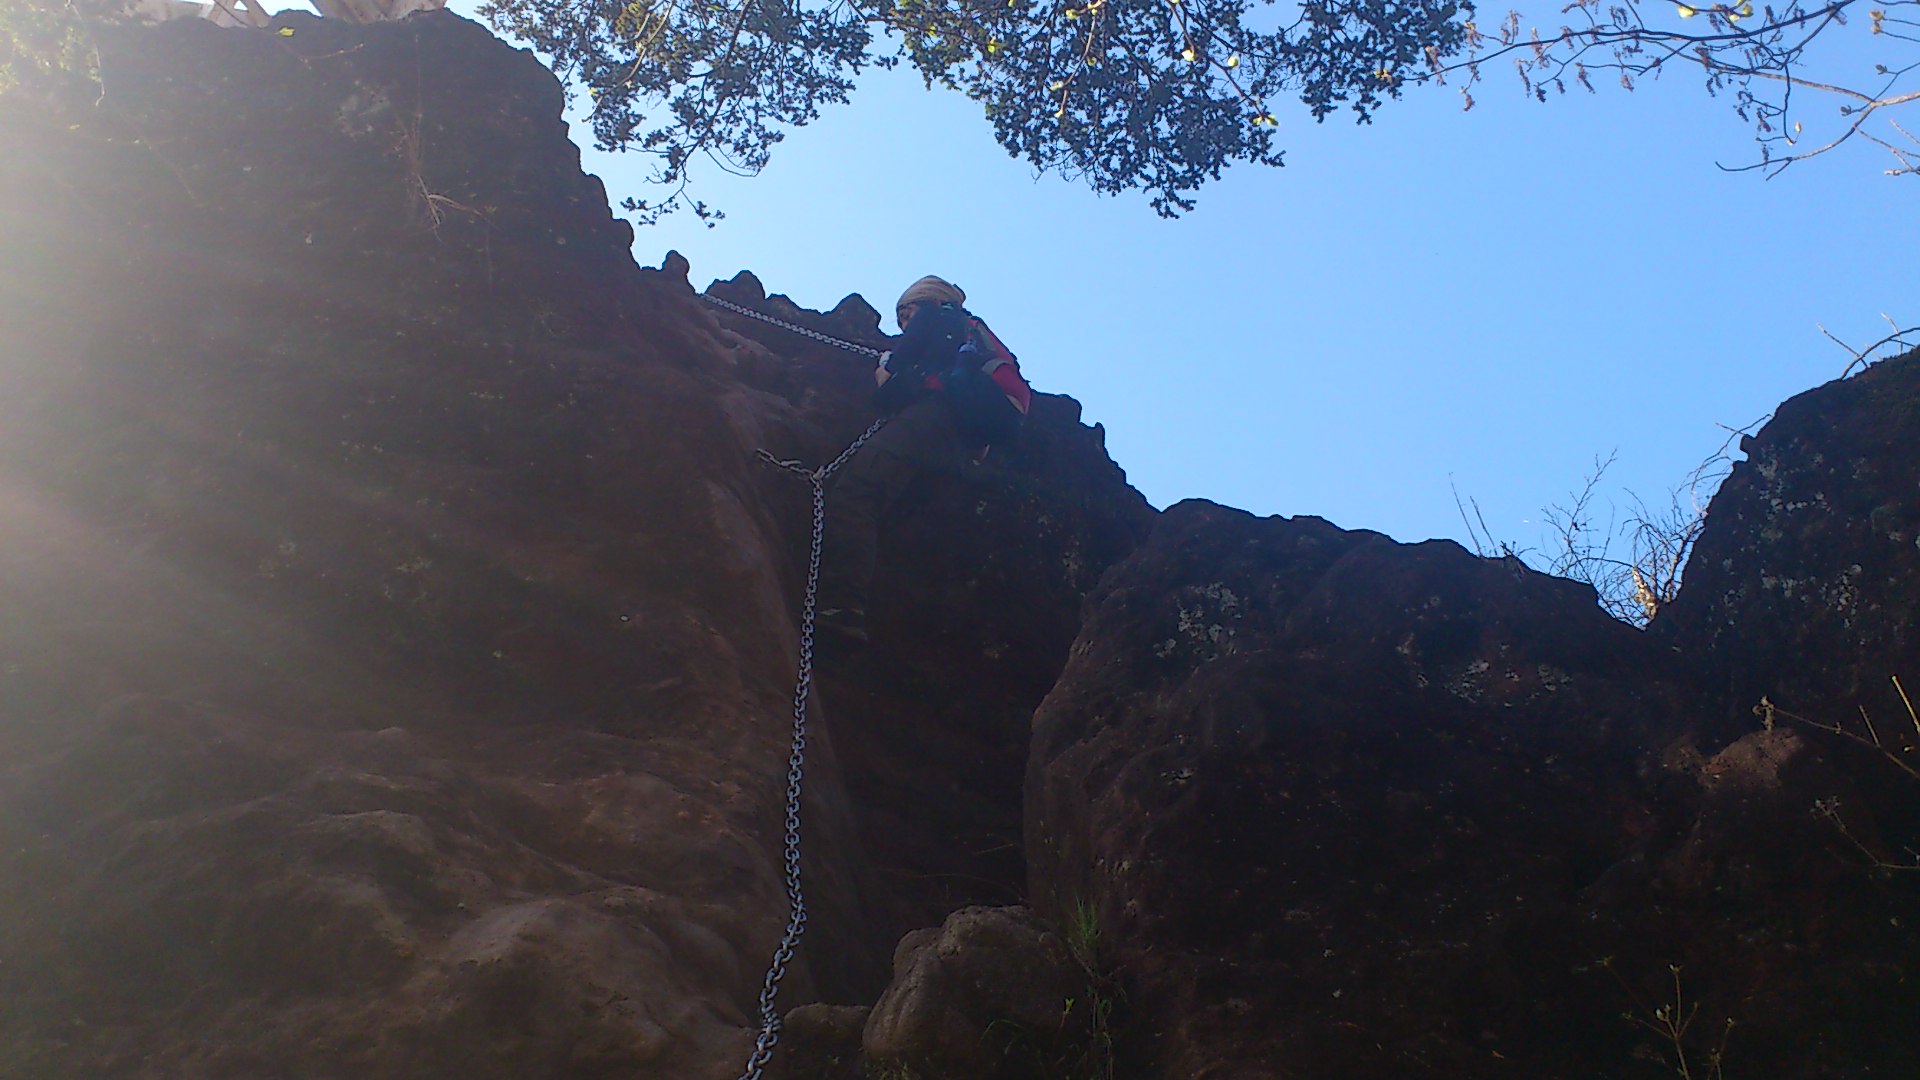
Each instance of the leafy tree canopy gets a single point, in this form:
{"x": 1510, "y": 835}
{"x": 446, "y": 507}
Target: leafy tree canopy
{"x": 43, "y": 48}
{"x": 1161, "y": 95}
{"x": 1158, "y": 95}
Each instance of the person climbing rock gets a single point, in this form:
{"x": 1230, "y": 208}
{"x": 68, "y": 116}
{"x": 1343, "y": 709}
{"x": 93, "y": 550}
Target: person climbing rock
{"x": 951, "y": 390}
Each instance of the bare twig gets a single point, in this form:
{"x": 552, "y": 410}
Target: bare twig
{"x": 1672, "y": 1021}
{"x": 1761, "y": 58}
{"x": 1864, "y": 356}
{"x": 1897, "y": 754}
{"x": 1478, "y": 534}
{"x": 1633, "y": 584}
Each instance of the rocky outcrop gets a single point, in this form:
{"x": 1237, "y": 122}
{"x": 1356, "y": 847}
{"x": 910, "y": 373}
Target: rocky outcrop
{"x": 1801, "y": 595}
{"x": 1340, "y": 802}
{"x": 1348, "y": 807}
{"x": 401, "y": 630}
{"x": 1804, "y": 584}
{"x": 991, "y": 993}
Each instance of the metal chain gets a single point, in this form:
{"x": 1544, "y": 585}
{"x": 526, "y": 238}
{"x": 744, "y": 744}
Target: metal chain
{"x": 797, "y": 756}
{"x": 802, "y": 690}
{"x": 816, "y": 335}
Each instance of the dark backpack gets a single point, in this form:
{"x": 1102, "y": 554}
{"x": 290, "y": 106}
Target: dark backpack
{"x": 931, "y": 343}
{"x": 941, "y": 343}
{"x": 980, "y": 407}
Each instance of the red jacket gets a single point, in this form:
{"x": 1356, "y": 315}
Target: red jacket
{"x": 1002, "y": 367}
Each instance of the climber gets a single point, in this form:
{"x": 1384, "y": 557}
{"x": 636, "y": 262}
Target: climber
{"x": 951, "y": 390}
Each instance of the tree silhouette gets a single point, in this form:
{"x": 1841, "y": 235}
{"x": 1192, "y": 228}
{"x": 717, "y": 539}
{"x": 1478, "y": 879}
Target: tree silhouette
{"x": 1157, "y": 95}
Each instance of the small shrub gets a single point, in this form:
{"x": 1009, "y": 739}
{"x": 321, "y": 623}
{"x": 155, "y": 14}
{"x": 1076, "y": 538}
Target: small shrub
{"x": 1676, "y": 1022}
{"x": 47, "y": 50}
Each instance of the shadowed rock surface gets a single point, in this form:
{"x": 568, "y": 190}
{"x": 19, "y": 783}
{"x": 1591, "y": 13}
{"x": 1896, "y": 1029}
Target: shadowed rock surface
{"x": 1340, "y": 800}
{"x": 397, "y": 672}
{"x": 1803, "y": 590}
{"x": 1803, "y": 587}
{"x": 1348, "y": 807}
{"x": 990, "y": 993}
{"x": 400, "y": 634}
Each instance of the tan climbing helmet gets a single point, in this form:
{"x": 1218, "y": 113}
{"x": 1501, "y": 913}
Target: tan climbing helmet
{"x": 928, "y": 290}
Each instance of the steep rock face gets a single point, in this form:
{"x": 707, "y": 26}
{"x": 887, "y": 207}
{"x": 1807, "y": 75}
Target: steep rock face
{"x": 1802, "y": 592}
{"x": 1346, "y": 807}
{"x": 1775, "y": 915}
{"x": 400, "y": 627}
{"x": 1805, "y": 581}
{"x": 1339, "y": 801}
{"x": 979, "y": 587}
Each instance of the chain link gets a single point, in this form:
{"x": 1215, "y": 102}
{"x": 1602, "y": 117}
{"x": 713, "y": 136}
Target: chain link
{"x": 797, "y": 755}
{"x": 816, "y": 335}
{"x": 802, "y": 691}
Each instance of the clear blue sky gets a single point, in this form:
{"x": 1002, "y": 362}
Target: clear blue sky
{"x": 1493, "y": 296}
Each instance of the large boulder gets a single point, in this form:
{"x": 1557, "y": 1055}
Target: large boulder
{"x": 1341, "y": 803}
{"x": 1351, "y": 807}
{"x": 1804, "y": 583}
{"x": 991, "y": 994}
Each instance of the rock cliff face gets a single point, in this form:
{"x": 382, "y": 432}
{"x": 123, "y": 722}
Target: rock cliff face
{"x": 1340, "y": 798}
{"x": 1802, "y": 591}
{"x": 1345, "y": 807}
{"x": 401, "y": 628}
